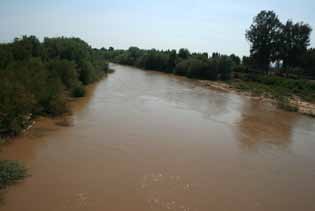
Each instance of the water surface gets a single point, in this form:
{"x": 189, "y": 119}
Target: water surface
{"x": 145, "y": 140}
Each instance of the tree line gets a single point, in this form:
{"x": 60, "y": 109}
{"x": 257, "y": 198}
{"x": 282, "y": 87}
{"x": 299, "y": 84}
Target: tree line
{"x": 183, "y": 62}
{"x": 284, "y": 44}
{"x": 280, "y": 63}
{"x": 279, "y": 49}
{"x": 36, "y": 78}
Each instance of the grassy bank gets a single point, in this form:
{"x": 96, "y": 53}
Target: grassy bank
{"x": 276, "y": 87}
{"x": 288, "y": 93}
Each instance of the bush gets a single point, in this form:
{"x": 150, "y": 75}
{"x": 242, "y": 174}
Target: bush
{"x": 182, "y": 68}
{"x": 11, "y": 172}
{"x": 16, "y": 105}
{"x": 240, "y": 69}
{"x": 86, "y": 72}
{"x": 197, "y": 68}
{"x": 78, "y": 91}
{"x": 225, "y": 67}
{"x": 65, "y": 70}
{"x": 34, "y": 77}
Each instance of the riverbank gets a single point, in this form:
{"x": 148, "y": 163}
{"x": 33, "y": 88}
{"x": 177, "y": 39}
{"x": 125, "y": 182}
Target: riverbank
{"x": 112, "y": 151}
{"x": 13, "y": 171}
{"x": 281, "y": 94}
{"x": 294, "y": 95}
{"x": 293, "y": 103}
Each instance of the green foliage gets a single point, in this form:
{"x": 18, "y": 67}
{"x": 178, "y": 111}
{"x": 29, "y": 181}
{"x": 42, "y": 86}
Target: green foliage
{"x": 183, "y": 53}
{"x": 215, "y": 68}
{"x": 65, "y": 70}
{"x": 6, "y": 56}
{"x": 235, "y": 59}
{"x": 276, "y": 87}
{"x": 16, "y": 104}
{"x": 86, "y": 72}
{"x": 195, "y": 65}
{"x": 240, "y": 69}
{"x": 11, "y": 172}
{"x": 53, "y": 102}
{"x": 225, "y": 65}
{"x": 308, "y": 63}
{"x": 295, "y": 38}
{"x": 182, "y": 67}
{"x": 26, "y": 47}
{"x": 72, "y": 49}
{"x": 78, "y": 91}
{"x": 193, "y": 68}
{"x": 154, "y": 60}
{"x": 35, "y": 77}
{"x": 272, "y": 41}
{"x": 197, "y": 68}
{"x": 263, "y": 35}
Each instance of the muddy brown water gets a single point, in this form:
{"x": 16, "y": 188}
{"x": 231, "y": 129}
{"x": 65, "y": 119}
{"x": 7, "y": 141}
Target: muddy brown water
{"x": 145, "y": 140}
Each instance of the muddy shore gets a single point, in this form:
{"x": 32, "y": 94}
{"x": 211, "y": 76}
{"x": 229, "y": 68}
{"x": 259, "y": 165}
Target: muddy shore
{"x": 302, "y": 106}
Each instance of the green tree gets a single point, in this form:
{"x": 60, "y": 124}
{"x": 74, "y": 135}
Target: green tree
{"x": 172, "y": 60}
{"x": 16, "y": 104}
{"x": 26, "y": 47}
{"x": 263, "y": 35}
{"x": 183, "y": 53}
{"x": 66, "y": 71}
{"x": 236, "y": 60}
{"x": 294, "y": 42}
{"x": 308, "y": 63}
{"x": 86, "y": 72}
{"x": 6, "y": 55}
{"x": 225, "y": 65}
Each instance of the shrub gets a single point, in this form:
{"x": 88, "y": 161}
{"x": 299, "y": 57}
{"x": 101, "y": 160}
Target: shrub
{"x": 86, "y": 72}
{"x": 212, "y": 71}
{"x": 225, "y": 67}
{"x": 16, "y": 105}
{"x": 182, "y": 68}
{"x": 11, "y": 172}
{"x": 197, "y": 68}
{"x": 34, "y": 77}
{"x": 241, "y": 69}
{"x": 65, "y": 70}
{"x": 78, "y": 91}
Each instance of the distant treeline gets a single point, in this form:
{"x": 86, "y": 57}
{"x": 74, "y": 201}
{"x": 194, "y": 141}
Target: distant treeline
{"x": 280, "y": 64}
{"x": 194, "y": 65}
{"x": 276, "y": 49}
{"x": 36, "y": 77}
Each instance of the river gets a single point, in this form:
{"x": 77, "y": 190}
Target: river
{"x": 144, "y": 140}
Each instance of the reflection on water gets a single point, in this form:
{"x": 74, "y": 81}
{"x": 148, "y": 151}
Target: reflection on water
{"x": 262, "y": 124}
{"x": 144, "y": 140}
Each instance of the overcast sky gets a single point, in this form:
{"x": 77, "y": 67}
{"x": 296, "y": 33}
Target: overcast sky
{"x": 199, "y": 25}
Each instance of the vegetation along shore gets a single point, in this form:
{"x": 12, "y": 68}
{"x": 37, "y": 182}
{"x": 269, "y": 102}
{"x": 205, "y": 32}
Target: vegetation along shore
{"x": 280, "y": 67}
{"x": 38, "y": 79}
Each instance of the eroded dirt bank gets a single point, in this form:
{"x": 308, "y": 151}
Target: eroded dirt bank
{"x": 302, "y": 106}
